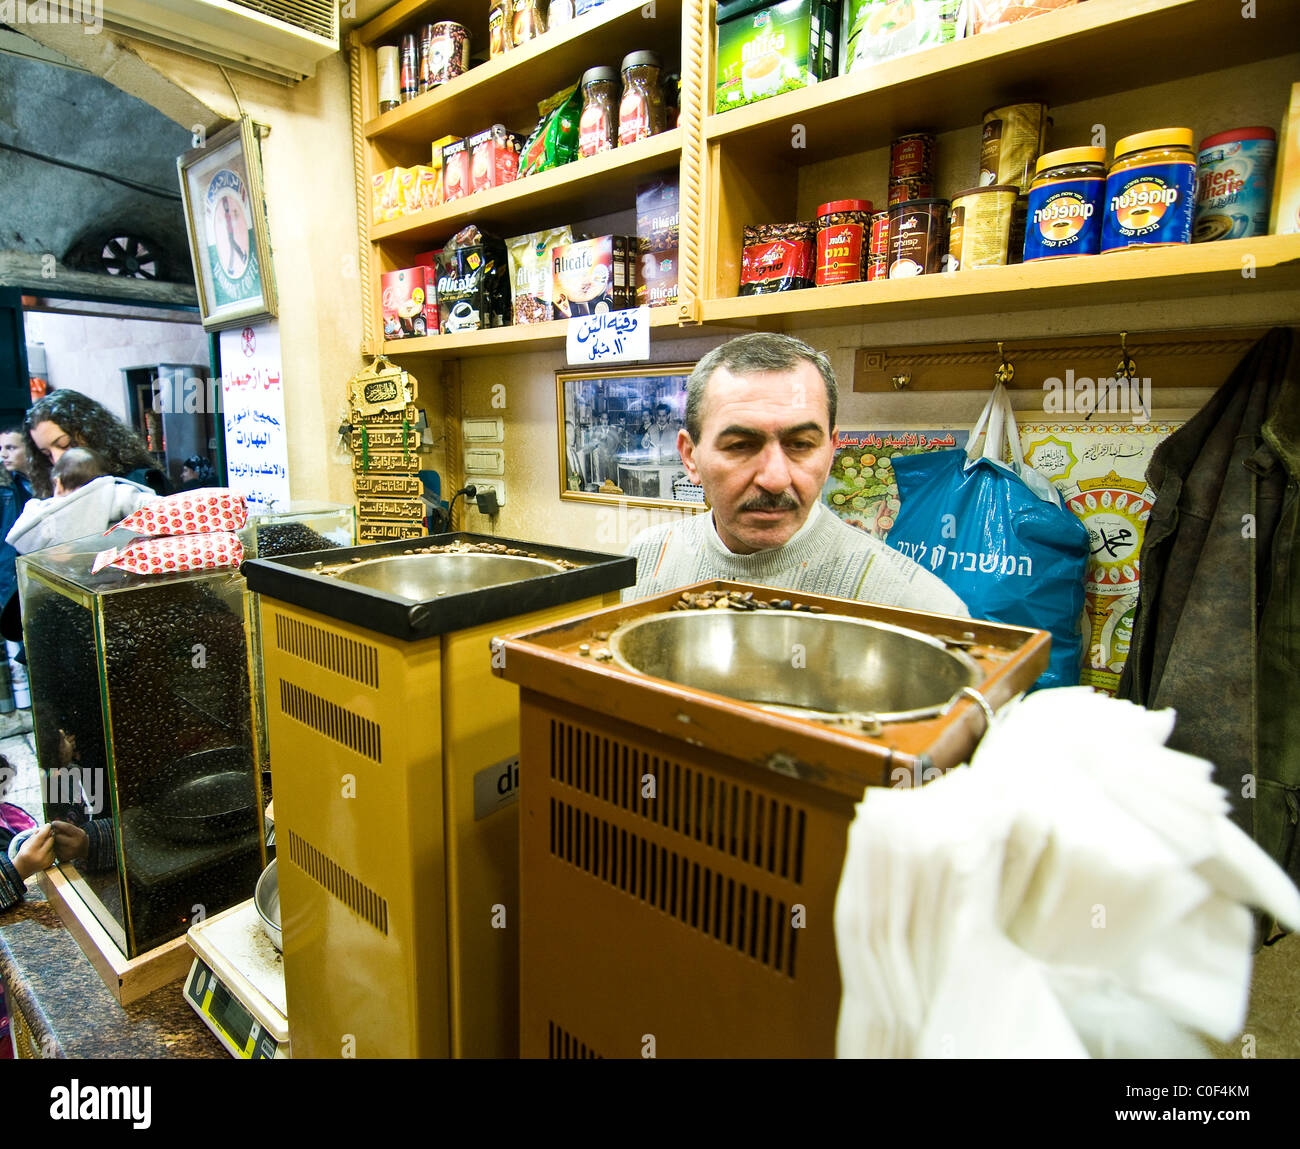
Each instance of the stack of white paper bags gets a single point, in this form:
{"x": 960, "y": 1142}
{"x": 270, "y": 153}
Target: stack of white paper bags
{"x": 1077, "y": 891}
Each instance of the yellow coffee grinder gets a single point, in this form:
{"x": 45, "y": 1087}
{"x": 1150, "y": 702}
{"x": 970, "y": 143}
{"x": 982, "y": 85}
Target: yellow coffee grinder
{"x": 394, "y": 753}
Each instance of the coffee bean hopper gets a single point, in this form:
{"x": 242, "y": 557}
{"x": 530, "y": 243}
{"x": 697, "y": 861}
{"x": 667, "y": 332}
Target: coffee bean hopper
{"x": 394, "y": 752}
{"x": 690, "y": 772}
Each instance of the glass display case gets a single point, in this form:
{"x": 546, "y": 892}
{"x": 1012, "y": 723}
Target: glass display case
{"x": 293, "y": 527}
{"x": 148, "y": 732}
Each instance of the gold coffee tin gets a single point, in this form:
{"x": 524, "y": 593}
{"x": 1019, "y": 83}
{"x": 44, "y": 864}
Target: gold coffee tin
{"x": 1011, "y": 142}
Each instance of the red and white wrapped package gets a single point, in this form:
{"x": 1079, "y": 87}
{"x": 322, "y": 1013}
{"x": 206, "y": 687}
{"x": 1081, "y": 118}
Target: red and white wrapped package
{"x": 174, "y": 554}
{"x": 189, "y": 513}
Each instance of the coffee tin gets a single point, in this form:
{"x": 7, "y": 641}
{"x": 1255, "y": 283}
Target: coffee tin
{"x": 918, "y": 232}
{"x": 900, "y": 190}
{"x": 1234, "y": 180}
{"x": 911, "y": 157}
{"x": 842, "y": 238}
{"x": 1010, "y": 143}
{"x": 980, "y": 227}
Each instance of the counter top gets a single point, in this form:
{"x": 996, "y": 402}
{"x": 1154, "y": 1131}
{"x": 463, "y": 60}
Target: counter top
{"x": 70, "y": 1011}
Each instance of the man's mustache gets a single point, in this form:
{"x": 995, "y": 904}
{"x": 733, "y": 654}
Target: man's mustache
{"x": 770, "y": 502}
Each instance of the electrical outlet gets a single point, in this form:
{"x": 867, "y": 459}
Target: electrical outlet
{"x": 497, "y": 485}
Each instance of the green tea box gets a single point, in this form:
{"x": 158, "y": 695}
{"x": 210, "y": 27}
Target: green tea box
{"x": 766, "y": 51}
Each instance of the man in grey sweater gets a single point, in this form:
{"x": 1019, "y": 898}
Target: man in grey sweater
{"x": 760, "y": 438}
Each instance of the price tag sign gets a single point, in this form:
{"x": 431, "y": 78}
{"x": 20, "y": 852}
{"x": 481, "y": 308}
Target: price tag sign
{"x": 612, "y": 337}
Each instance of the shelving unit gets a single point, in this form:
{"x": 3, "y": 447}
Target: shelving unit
{"x": 1094, "y": 49}
{"x": 506, "y": 90}
{"x": 1120, "y": 277}
{"x": 743, "y": 166}
{"x": 585, "y": 187}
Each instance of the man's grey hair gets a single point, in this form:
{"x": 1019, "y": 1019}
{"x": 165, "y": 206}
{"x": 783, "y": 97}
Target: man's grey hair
{"x": 749, "y": 354}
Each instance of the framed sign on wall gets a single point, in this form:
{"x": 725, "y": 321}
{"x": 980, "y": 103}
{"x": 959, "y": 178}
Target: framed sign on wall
{"x": 618, "y": 435}
{"x": 225, "y": 215}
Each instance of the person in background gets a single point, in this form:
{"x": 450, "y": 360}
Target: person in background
{"x": 661, "y": 439}
{"x": 760, "y": 439}
{"x": 15, "y": 491}
{"x": 66, "y": 419}
{"x": 196, "y": 472}
{"x": 87, "y": 500}
{"x": 14, "y": 459}
{"x": 35, "y": 854}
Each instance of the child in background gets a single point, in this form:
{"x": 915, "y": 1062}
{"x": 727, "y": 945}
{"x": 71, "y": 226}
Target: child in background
{"x": 87, "y": 501}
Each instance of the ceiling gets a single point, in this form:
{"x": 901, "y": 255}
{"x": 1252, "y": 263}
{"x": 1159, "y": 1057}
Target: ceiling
{"x": 81, "y": 162}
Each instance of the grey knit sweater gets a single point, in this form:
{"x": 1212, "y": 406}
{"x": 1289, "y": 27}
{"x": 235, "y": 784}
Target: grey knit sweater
{"x": 825, "y": 556}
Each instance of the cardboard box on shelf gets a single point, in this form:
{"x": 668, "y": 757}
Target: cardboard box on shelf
{"x": 494, "y": 157}
{"x": 409, "y": 303}
{"x": 656, "y": 278}
{"x": 455, "y": 171}
{"x": 591, "y": 276}
{"x": 767, "y": 51}
{"x": 658, "y": 215}
{"x": 1284, "y": 215}
{"x": 388, "y": 193}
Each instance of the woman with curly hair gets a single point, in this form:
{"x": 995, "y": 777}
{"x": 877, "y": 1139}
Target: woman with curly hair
{"x": 66, "y": 419}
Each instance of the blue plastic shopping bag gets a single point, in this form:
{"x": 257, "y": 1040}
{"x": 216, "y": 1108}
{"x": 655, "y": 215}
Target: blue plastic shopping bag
{"x": 997, "y": 534}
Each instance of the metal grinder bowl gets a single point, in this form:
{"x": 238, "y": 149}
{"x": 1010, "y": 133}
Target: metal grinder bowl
{"x": 819, "y": 666}
{"x": 266, "y": 900}
{"x": 422, "y": 577}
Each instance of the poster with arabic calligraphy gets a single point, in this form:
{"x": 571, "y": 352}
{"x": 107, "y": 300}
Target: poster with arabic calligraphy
{"x": 252, "y": 394}
{"x": 861, "y": 487}
{"x": 1100, "y": 471}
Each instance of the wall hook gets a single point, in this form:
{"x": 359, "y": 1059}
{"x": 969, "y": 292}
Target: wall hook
{"x": 1126, "y": 368}
{"x": 900, "y": 381}
{"x": 1005, "y": 372}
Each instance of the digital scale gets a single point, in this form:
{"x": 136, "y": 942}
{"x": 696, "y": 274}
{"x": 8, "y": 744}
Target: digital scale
{"x": 236, "y": 984}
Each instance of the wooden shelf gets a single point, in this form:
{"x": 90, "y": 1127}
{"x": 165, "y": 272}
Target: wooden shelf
{"x": 506, "y": 90}
{"x": 1090, "y": 50}
{"x": 594, "y": 186}
{"x": 1120, "y": 277}
{"x": 520, "y": 337}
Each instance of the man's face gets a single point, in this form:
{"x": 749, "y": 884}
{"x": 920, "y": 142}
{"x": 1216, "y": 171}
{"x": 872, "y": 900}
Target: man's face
{"x": 13, "y": 452}
{"x": 764, "y": 453}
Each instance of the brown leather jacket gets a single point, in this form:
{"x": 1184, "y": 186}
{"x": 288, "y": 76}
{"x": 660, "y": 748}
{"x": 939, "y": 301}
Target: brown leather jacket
{"x": 1217, "y": 633}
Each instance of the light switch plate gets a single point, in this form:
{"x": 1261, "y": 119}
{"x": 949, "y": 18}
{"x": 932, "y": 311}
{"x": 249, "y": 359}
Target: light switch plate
{"x": 485, "y": 461}
{"x": 483, "y": 430}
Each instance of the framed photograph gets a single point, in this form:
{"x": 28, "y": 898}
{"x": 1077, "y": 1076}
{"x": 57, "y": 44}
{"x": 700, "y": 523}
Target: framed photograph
{"x": 618, "y": 435}
{"x": 225, "y": 215}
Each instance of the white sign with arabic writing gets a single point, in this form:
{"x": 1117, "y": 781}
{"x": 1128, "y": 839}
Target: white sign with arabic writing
{"x": 252, "y": 394}
{"x": 611, "y": 337}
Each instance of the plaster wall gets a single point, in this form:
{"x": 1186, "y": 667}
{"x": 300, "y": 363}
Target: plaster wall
{"x": 87, "y": 353}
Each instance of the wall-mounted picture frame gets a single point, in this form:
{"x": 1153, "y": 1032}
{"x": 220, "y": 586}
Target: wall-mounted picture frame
{"x": 225, "y": 216}
{"x": 618, "y": 435}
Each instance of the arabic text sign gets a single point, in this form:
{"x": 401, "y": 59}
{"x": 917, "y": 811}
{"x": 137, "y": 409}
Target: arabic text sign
{"x": 252, "y": 392}
{"x": 611, "y": 337}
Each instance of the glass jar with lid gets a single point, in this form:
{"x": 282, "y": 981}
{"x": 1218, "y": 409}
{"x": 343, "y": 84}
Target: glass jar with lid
{"x": 1066, "y": 199}
{"x": 641, "y": 111}
{"x": 1150, "y": 191}
{"x": 598, "y": 126}
{"x": 526, "y": 22}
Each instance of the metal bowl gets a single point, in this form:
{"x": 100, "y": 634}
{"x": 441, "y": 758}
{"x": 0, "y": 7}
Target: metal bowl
{"x": 266, "y": 900}
{"x": 422, "y": 577}
{"x": 815, "y": 666}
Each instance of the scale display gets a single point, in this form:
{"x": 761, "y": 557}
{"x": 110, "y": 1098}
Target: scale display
{"x": 232, "y": 1022}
